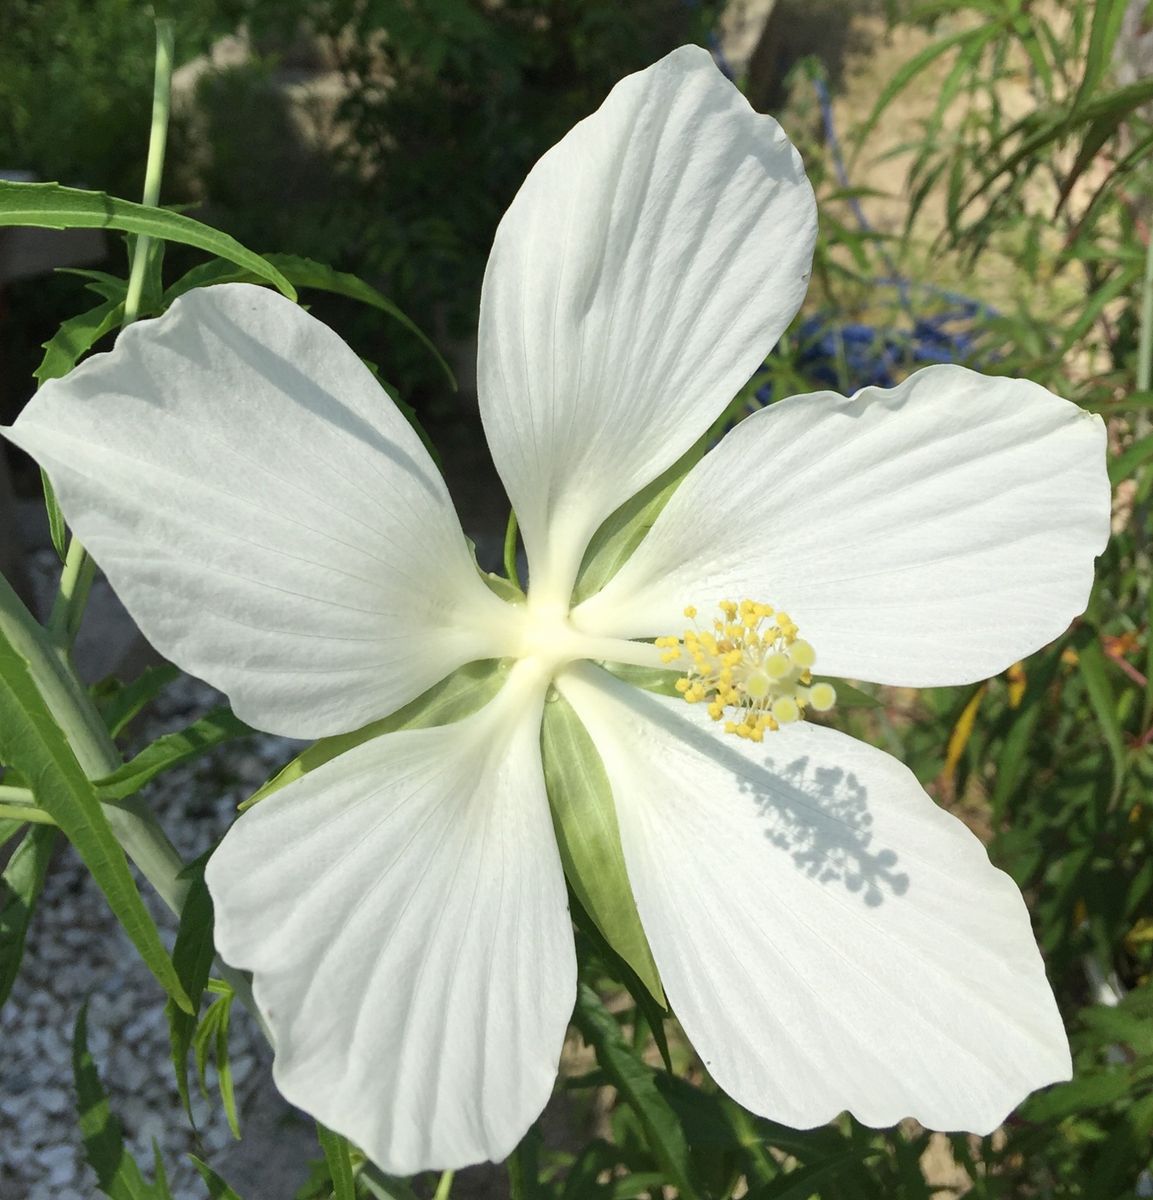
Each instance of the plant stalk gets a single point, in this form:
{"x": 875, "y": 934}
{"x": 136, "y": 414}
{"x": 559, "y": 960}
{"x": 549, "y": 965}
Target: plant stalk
{"x": 76, "y": 579}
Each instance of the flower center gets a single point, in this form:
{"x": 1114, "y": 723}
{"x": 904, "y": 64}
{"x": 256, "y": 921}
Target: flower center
{"x": 753, "y": 663}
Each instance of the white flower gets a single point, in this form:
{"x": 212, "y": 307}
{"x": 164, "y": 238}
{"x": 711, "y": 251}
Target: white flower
{"x": 827, "y": 936}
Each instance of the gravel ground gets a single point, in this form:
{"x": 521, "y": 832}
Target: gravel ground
{"x": 76, "y": 951}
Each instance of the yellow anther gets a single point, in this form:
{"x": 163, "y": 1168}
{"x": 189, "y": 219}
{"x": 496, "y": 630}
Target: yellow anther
{"x": 802, "y": 654}
{"x": 752, "y": 663}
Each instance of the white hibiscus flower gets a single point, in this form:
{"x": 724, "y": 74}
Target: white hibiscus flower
{"x": 828, "y": 938}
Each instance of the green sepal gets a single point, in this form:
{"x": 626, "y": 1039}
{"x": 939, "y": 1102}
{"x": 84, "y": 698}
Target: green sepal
{"x": 455, "y": 697}
{"x": 623, "y": 532}
{"x": 649, "y": 679}
{"x": 585, "y": 821}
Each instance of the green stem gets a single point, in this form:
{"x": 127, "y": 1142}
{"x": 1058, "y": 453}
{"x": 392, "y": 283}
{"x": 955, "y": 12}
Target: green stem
{"x": 510, "y": 571}
{"x": 444, "y": 1186}
{"x": 18, "y": 812}
{"x": 17, "y": 795}
{"x": 76, "y": 579}
{"x": 154, "y": 171}
{"x": 75, "y": 584}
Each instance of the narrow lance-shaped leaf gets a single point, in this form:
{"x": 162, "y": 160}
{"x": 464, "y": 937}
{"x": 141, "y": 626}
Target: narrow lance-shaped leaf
{"x": 211, "y": 1039}
{"x": 218, "y": 1189}
{"x": 51, "y": 206}
{"x": 75, "y": 337}
{"x": 305, "y": 273}
{"x": 1095, "y": 671}
{"x": 218, "y": 726}
{"x": 634, "y": 1081}
{"x": 192, "y": 956}
{"x": 68, "y": 344}
{"x": 20, "y": 888}
{"x": 125, "y": 701}
{"x": 116, "y": 1170}
{"x": 32, "y": 742}
{"x": 803, "y": 1183}
{"x": 57, "y": 528}
{"x": 338, "y": 1155}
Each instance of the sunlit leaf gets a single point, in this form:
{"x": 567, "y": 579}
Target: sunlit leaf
{"x": 51, "y": 206}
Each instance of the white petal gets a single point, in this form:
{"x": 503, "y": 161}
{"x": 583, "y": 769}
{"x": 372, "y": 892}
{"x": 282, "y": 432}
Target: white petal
{"x": 403, "y": 910}
{"x": 263, "y": 509}
{"x": 829, "y": 938}
{"x": 931, "y": 534}
{"x": 644, "y": 270}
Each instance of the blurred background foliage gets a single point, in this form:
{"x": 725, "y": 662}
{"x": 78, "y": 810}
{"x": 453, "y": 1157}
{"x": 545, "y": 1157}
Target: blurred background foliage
{"x": 983, "y": 174}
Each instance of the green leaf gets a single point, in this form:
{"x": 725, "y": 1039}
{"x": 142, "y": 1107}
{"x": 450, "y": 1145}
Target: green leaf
{"x": 803, "y": 1183}
{"x": 20, "y": 888}
{"x": 623, "y": 531}
{"x": 1107, "y": 18}
{"x": 585, "y": 820}
{"x": 110, "y": 287}
{"x": 75, "y": 338}
{"x": 907, "y": 72}
{"x": 218, "y": 726}
{"x": 338, "y": 1155}
{"x": 9, "y": 829}
{"x": 1095, "y": 671}
{"x": 456, "y": 696}
{"x": 306, "y": 273}
{"x": 32, "y": 742}
{"x": 1080, "y": 1095}
{"x": 117, "y": 1174}
{"x": 1131, "y": 459}
{"x": 192, "y": 957}
{"x": 524, "y": 1168}
{"x": 634, "y": 1082}
{"x": 211, "y": 1038}
{"x": 217, "y": 1188}
{"x": 125, "y": 701}
{"x": 382, "y": 1186}
{"x": 50, "y": 206}
{"x": 57, "y": 527}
